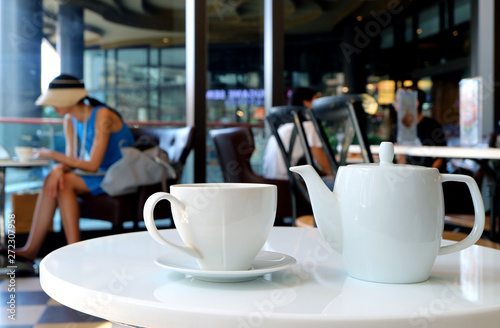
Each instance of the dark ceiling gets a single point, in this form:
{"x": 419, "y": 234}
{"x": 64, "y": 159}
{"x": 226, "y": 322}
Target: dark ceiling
{"x": 112, "y": 23}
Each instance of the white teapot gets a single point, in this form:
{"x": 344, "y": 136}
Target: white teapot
{"x": 387, "y": 219}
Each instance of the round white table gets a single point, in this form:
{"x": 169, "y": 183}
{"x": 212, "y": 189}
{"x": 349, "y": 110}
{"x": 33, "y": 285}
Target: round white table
{"x": 115, "y": 278}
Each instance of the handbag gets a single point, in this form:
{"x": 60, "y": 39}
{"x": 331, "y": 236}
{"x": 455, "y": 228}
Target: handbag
{"x": 136, "y": 168}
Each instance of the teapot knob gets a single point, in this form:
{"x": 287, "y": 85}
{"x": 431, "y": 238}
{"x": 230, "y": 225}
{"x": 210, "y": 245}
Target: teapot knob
{"x": 386, "y": 153}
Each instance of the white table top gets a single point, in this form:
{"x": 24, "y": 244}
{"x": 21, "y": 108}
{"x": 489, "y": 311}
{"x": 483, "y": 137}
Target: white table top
{"x": 449, "y": 152}
{"x": 115, "y": 278}
{"x": 30, "y": 163}
{"x": 438, "y": 151}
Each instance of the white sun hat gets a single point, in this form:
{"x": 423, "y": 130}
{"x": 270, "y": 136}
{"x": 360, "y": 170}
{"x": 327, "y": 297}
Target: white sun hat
{"x": 64, "y": 91}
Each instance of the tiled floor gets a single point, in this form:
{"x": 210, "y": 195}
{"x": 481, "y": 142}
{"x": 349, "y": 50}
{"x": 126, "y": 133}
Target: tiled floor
{"x": 35, "y": 309}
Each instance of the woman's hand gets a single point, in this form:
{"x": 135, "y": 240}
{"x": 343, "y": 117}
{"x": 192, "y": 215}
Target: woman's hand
{"x": 44, "y": 153}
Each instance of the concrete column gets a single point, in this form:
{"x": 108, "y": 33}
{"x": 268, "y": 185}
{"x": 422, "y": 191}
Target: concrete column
{"x": 353, "y": 48}
{"x": 196, "y": 84}
{"x": 483, "y": 48}
{"x": 70, "y": 43}
{"x": 274, "y": 53}
{"x": 21, "y": 23}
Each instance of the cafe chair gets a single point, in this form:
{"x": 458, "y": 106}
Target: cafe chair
{"x": 297, "y": 115}
{"x": 177, "y": 142}
{"x": 347, "y": 112}
{"x": 234, "y": 147}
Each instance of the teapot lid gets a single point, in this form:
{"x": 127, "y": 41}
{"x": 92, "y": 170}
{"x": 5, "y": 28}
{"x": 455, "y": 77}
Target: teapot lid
{"x": 386, "y": 155}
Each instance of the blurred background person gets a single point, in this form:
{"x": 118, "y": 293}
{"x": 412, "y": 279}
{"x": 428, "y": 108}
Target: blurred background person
{"x": 429, "y": 132}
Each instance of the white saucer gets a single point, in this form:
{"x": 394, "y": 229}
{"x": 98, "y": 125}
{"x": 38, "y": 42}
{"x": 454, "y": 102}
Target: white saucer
{"x": 265, "y": 262}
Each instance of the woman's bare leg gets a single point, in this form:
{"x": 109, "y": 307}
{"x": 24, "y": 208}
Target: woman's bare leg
{"x": 42, "y": 219}
{"x": 68, "y": 206}
{"x": 44, "y": 213}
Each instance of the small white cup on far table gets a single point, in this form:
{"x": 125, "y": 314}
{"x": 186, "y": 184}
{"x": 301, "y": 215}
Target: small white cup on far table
{"x": 24, "y": 154}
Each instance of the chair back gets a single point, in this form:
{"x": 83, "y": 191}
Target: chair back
{"x": 297, "y": 115}
{"x": 177, "y": 142}
{"x": 234, "y": 147}
{"x": 347, "y": 110}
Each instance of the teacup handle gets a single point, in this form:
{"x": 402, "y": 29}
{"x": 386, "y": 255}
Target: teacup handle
{"x": 148, "y": 213}
{"x": 477, "y": 200}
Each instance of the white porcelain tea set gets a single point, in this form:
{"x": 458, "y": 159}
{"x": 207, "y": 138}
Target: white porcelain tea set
{"x": 385, "y": 219}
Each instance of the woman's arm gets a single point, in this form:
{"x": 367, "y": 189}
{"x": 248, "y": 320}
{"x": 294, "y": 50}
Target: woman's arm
{"x": 316, "y": 146}
{"x": 322, "y": 161}
{"x": 106, "y": 122}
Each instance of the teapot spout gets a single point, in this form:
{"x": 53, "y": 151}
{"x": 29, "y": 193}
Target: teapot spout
{"x": 325, "y": 204}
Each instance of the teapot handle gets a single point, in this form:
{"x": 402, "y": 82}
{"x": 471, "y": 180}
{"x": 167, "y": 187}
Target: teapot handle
{"x": 477, "y": 200}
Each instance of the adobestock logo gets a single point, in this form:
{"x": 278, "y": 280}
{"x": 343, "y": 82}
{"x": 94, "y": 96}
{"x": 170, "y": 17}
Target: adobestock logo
{"x": 372, "y": 29}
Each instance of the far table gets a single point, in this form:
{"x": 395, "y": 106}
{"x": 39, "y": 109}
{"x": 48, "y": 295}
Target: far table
{"x": 437, "y": 151}
{"x": 4, "y": 165}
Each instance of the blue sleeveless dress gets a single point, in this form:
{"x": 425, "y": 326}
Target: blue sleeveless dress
{"x": 120, "y": 138}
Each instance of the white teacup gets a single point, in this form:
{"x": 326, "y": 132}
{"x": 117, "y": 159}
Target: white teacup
{"x": 24, "y": 154}
{"x": 224, "y": 225}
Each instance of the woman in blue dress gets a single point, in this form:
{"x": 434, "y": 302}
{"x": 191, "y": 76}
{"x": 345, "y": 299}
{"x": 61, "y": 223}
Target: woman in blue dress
{"x": 93, "y": 134}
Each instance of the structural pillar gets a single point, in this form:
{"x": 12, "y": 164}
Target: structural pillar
{"x": 70, "y": 42}
{"x": 21, "y": 23}
{"x": 274, "y": 13}
{"x": 353, "y": 60}
{"x": 483, "y": 46}
{"x": 196, "y": 83}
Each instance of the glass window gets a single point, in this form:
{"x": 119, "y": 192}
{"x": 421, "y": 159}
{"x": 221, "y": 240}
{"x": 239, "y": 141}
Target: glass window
{"x": 94, "y": 66}
{"x": 171, "y": 85}
{"x": 235, "y": 86}
{"x": 387, "y": 38}
{"x": 409, "y": 32}
{"x": 132, "y": 81}
{"x": 446, "y": 16}
{"x": 143, "y": 84}
{"x": 428, "y": 22}
{"x": 461, "y": 11}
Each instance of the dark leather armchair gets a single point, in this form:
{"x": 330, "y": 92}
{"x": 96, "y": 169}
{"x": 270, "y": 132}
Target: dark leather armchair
{"x": 297, "y": 115}
{"x": 177, "y": 143}
{"x": 234, "y": 147}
